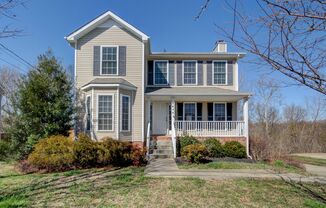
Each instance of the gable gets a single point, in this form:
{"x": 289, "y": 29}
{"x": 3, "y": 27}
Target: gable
{"x": 108, "y": 20}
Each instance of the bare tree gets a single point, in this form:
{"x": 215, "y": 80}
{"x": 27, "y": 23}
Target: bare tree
{"x": 268, "y": 100}
{"x": 288, "y": 36}
{"x": 8, "y": 86}
{"x": 7, "y": 11}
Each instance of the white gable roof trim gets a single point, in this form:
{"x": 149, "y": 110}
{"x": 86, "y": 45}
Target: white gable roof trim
{"x": 71, "y": 38}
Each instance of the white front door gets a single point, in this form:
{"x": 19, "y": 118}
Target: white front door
{"x": 160, "y": 118}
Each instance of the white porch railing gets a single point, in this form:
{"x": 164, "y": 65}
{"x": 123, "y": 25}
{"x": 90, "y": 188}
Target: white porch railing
{"x": 210, "y": 128}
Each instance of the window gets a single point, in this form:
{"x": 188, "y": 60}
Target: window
{"x": 161, "y": 72}
{"x": 109, "y": 60}
{"x": 219, "y": 72}
{"x": 125, "y": 113}
{"x": 189, "y": 112}
{"x": 88, "y": 113}
{"x": 219, "y": 112}
{"x": 105, "y": 112}
{"x": 189, "y": 72}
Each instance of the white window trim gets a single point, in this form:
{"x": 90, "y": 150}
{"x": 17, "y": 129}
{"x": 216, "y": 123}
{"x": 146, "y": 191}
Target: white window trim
{"x": 101, "y": 57}
{"x": 113, "y": 110}
{"x": 129, "y": 112}
{"x": 167, "y": 70}
{"x": 226, "y": 72}
{"x": 184, "y": 111}
{"x": 225, "y": 106}
{"x": 183, "y": 80}
{"x": 90, "y": 108}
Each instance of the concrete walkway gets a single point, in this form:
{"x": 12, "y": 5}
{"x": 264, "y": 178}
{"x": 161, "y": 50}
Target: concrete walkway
{"x": 168, "y": 168}
{"x": 312, "y": 155}
{"x": 316, "y": 170}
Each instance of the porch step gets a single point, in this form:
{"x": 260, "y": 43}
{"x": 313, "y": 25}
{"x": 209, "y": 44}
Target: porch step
{"x": 160, "y": 156}
{"x": 163, "y": 151}
{"x": 162, "y": 147}
{"x": 161, "y": 138}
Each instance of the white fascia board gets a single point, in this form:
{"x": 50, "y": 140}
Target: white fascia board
{"x": 109, "y": 85}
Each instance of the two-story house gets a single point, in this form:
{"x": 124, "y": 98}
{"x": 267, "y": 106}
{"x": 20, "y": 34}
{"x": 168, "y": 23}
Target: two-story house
{"x": 133, "y": 94}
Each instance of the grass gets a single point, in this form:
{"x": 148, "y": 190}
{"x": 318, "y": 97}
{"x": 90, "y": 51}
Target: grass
{"x": 128, "y": 187}
{"x": 281, "y": 168}
{"x": 310, "y": 160}
{"x": 223, "y": 165}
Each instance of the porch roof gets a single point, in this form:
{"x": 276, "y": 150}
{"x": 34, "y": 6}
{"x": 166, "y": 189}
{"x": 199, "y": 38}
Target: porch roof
{"x": 193, "y": 91}
{"x": 109, "y": 82}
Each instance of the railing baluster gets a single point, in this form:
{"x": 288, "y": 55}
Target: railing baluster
{"x": 210, "y": 128}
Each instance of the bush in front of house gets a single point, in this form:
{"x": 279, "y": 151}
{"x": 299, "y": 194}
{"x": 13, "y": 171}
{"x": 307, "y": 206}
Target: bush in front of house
{"x": 138, "y": 156}
{"x": 58, "y": 153}
{"x": 85, "y": 151}
{"x": 185, "y": 141}
{"x": 195, "y": 153}
{"x": 214, "y": 147}
{"x": 113, "y": 152}
{"x": 53, "y": 154}
{"x": 234, "y": 149}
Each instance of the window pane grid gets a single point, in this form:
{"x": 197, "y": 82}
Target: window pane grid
{"x": 219, "y": 112}
{"x": 219, "y": 73}
{"x": 105, "y": 115}
{"x": 125, "y": 113}
{"x": 190, "y": 111}
{"x": 161, "y": 72}
{"x": 109, "y": 60}
{"x": 88, "y": 113}
{"x": 189, "y": 72}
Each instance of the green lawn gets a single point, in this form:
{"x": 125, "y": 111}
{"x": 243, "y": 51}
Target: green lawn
{"x": 242, "y": 165}
{"x": 128, "y": 187}
{"x": 310, "y": 160}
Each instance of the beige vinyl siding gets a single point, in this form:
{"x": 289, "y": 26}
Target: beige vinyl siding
{"x": 84, "y": 67}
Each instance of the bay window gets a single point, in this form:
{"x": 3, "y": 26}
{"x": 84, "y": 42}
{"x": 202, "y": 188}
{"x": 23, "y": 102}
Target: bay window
{"x": 105, "y": 112}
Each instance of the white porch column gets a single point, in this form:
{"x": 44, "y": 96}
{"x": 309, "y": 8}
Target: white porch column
{"x": 174, "y": 144}
{"x": 246, "y": 122}
{"x": 148, "y": 118}
{"x": 172, "y": 114}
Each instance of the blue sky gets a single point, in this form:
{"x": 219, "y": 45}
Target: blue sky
{"x": 169, "y": 23}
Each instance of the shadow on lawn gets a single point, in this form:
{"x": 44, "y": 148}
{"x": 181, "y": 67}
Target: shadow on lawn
{"x": 321, "y": 197}
{"x": 61, "y": 185}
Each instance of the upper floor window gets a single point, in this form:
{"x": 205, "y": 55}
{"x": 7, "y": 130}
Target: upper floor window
{"x": 161, "y": 75}
{"x": 109, "y": 60}
{"x": 190, "y": 72}
{"x": 219, "y": 72}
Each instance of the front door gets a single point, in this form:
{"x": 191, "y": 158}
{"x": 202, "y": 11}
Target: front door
{"x": 160, "y": 117}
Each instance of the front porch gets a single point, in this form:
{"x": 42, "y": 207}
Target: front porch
{"x": 201, "y": 116}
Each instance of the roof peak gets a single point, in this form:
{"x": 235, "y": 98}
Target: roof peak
{"x": 75, "y": 35}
